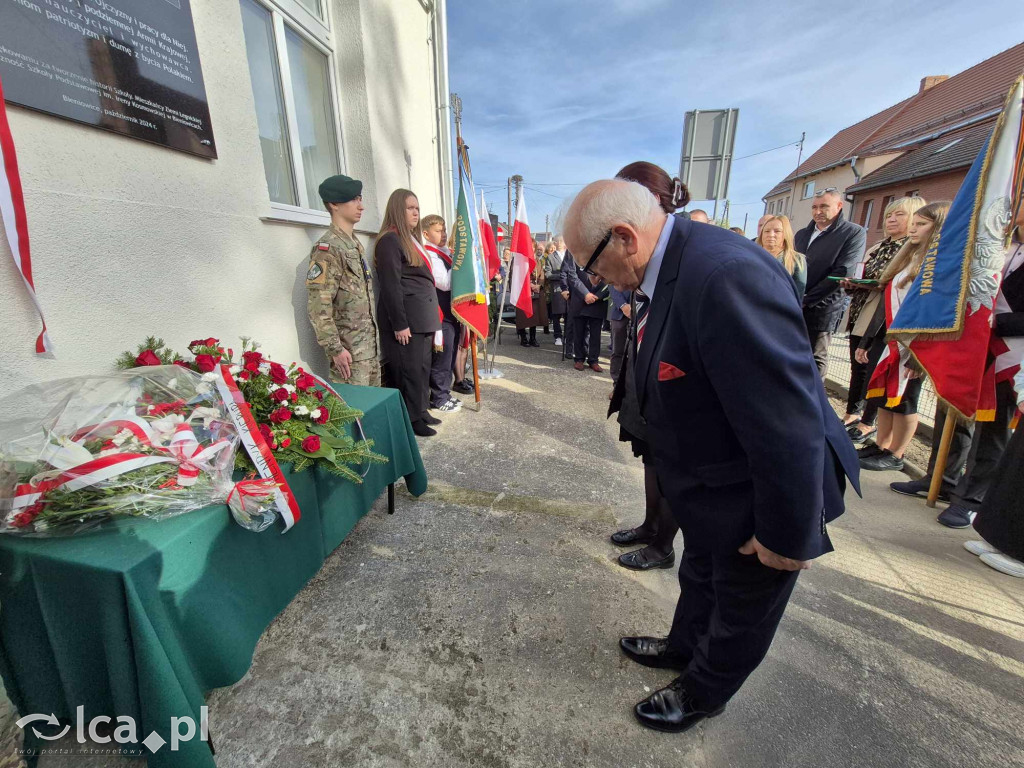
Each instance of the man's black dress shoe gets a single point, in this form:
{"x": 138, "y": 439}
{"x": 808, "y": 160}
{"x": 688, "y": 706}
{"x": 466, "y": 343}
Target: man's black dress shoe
{"x": 630, "y": 536}
{"x": 431, "y": 420}
{"x": 642, "y": 560}
{"x": 672, "y": 710}
{"x": 422, "y": 429}
{"x": 652, "y": 652}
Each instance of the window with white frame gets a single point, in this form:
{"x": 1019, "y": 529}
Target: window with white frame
{"x": 294, "y": 93}
{"x": 808, "y": 189}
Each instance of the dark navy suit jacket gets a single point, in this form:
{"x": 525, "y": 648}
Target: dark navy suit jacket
{"x": 744, "y": 438}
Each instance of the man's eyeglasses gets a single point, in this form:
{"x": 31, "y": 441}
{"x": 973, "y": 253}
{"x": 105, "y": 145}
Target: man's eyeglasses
{"x": 597, "y": 252}
{"x": 825, "y": 191}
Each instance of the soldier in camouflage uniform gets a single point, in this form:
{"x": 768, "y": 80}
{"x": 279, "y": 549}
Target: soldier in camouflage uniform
{"x": 340, "y": 301}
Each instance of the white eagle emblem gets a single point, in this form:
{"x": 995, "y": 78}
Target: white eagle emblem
{"x": 989, "y": 255}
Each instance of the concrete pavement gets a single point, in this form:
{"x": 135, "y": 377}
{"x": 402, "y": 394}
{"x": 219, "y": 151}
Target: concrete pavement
{"x": 479, "y": 625}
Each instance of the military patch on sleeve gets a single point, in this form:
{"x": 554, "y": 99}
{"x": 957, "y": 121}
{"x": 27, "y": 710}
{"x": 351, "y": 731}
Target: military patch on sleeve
{"x": 317, "y": 274}
{"x": 323, "y": 247}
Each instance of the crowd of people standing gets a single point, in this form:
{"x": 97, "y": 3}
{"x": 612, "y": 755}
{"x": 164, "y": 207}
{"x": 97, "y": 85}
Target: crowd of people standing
{"x": 421, "y": 346}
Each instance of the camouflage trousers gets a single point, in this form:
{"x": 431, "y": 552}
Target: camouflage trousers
{"x": 365, "y": 373}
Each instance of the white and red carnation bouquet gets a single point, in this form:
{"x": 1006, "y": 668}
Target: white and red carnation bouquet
{"x": 148, "y": 443}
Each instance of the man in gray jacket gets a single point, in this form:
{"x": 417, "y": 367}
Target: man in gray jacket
{"x": 553, "y": 277}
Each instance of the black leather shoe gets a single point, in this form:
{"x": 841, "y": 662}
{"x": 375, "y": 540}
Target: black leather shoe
{"x": 642, "y": 560}
{"x": 431, "y": 420}
{"x": 672, "y": 710}
{"x": 630, "y": 536}
{"x": 423, "y": 430}
{"x": 652, "y": 652}
{"x": 463, "y": 388}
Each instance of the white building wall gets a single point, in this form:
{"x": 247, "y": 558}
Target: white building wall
{"x": 130, "y": 238}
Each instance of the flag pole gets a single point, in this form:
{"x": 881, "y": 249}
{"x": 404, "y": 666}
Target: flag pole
{"x": 940, "y": 458}
{"x": 501, "y": 311}
{"x": 460, "y": 149}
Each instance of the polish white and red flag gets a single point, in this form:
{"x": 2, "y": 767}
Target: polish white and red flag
{"x": 488, "y": 245}
{"x": 523, "y": 260}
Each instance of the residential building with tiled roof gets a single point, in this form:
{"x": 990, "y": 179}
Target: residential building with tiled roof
{"x": 906, "y": 148}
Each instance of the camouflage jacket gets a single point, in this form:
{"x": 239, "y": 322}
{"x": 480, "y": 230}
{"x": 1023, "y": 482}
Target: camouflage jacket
{"x": 340, "y": 301}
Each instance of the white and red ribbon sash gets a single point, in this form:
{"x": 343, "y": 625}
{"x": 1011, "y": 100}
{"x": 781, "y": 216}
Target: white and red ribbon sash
{"x": 257, "y": 448}
{"x": 84, "y": 475}
{"x": 12, "y": 210}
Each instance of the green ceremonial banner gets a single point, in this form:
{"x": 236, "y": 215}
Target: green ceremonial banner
{"x": 469, "y": 296}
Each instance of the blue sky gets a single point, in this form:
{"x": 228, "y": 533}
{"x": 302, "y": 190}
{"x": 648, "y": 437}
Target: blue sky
{"x": 567, "y": 91}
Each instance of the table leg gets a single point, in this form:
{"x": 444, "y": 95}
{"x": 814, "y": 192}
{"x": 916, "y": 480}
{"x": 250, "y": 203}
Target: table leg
{"x": 391, "y": 498}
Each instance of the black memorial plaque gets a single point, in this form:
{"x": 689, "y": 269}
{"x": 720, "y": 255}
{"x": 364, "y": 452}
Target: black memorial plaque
{"x": 128, "y": 66}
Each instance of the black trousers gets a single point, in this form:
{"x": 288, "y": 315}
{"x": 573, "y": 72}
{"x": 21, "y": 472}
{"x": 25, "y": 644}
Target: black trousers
{"x": 860, "y": 375}
{"x": 407, "y": 369}
{"x": 441, "y": 367}
{"x": 586, "y": 339}
{"x": 556, "y": 322}
{"x": 570, "y": 322}
{"x": 987, "y": 446}
{"x": 726, "y": 618}
{"x": 619, "y": 328}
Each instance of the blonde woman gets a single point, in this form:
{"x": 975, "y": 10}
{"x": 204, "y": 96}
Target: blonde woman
{"x": 776, "y": 237}
{"x": 407, "y": 309}
{"x": 894, "y": 386}
{"x": 860, "y": 417}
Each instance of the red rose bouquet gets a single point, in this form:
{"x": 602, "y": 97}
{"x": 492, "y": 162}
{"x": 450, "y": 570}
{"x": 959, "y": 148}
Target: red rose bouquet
{"x": 301, "y": 421}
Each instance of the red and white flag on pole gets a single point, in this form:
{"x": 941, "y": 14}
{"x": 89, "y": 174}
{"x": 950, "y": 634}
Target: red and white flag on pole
{"x": 492, "y": 261}
{"x": 523, "y": 260}
{"x": 12, "y": 209}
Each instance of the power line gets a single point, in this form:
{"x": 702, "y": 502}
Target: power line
{"x": 763, "y": 151}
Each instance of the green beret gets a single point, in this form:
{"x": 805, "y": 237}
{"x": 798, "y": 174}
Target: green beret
{"x": 340, "y": 189}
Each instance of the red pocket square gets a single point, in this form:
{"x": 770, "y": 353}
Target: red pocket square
{"x": 667, "y": 372}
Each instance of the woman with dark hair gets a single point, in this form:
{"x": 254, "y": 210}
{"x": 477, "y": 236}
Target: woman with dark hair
{"x": 407, "y": 309}
{"x": 658, "y": 530}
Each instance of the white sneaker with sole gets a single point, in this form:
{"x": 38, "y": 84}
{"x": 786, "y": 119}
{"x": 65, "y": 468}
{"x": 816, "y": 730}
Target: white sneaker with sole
{"x": 979, "y": 548}
{"x": 450, "y": 407}
{"x": 558, "y": 342}
{"x": 1004, "y": 564}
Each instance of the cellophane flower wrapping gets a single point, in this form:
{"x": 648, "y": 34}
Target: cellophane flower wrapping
{"x": 152, "y": 442}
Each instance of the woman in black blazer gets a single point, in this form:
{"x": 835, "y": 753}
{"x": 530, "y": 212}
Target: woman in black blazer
{"x": 407, "y": 311}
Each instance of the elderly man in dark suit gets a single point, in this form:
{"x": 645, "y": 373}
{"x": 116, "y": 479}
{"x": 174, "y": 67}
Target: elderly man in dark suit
{"x": 748, "y": 451}
{"x": 588, "y": 306}
{"x": 832, "y": 246}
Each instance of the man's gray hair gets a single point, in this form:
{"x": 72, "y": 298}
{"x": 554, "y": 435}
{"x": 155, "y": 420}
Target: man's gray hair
{"x": 619, "y": 202}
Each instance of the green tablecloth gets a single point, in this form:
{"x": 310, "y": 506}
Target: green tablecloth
{"x": 143, "y": 618}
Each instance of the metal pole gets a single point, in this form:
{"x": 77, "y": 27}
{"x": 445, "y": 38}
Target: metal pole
{"x": 745, "y": 215}
{"x": 714, "y": 216}
{"x": 501, "y": 311}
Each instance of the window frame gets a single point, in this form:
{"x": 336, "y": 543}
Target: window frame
{"x": 866, "y": 212}
{"x": 881, "y": 211}
{"x": 807, "y": 195}
{"x": 317, "y": 33}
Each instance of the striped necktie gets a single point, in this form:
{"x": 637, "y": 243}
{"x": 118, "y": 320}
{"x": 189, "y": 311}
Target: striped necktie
{"x": 643, "y": 304}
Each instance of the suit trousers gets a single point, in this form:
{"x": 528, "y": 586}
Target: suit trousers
{"x": 441, "y": 367}
{"x": 730, "y": 605}
{"x": 819, "y": 347}
{"x": 407, "y": 369}
{"x": 556, "y": 322}
{"x": 619, "y": 328}
{"x": 726, "y": 618}
{"x": 987, "y": 446}
{"x": 586, "y": 339}
{"x": 860, "y": 375}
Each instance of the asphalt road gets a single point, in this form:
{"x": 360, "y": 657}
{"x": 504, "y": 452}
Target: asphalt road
{"x": 479, "y": 625}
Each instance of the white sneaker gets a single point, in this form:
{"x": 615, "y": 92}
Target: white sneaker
{"x": 558, "y": 342}
{"x": 979, "y": 548}
{"x": 1004, "y": 564}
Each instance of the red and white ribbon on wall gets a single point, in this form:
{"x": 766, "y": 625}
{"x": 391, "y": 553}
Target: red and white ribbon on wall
{"x": 257, "y": 448}
{"x": 12, "y": 209}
